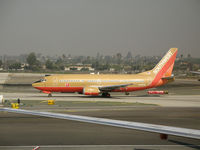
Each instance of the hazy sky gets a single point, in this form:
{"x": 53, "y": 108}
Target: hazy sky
{"x": 85, "y": 27}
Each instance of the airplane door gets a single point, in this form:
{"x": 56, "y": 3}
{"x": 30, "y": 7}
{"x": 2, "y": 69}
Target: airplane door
{"x": 55, "y": 82}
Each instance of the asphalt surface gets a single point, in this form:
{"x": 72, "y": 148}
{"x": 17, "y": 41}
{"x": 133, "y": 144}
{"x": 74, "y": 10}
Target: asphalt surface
{"x": 170, "y": 100}
{"x": 19, "y": 131}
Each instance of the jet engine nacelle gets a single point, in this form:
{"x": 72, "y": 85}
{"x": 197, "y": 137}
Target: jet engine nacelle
{"x": 91, "y": 91}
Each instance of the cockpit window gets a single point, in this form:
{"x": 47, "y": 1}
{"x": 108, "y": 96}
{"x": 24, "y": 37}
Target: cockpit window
{"x": 41, "y": 80}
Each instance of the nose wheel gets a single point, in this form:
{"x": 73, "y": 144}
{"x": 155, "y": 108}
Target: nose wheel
{"x": 105, "y": 95}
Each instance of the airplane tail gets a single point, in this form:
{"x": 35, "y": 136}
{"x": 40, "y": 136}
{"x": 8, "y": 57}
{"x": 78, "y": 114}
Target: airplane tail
{"x": 165, "y": 66}
{"x": 163, "y": 70}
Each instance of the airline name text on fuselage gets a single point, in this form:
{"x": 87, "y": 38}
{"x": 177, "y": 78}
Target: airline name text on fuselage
{"x": 162, "y": 63}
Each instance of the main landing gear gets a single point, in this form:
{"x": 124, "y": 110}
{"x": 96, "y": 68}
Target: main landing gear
{"x": 105, "y": 95}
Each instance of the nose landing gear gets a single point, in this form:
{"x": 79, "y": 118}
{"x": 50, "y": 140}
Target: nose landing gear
{"x": 47, "y": 92}
{"x": 127, "y": 93}
{"x": 49, "y": 95}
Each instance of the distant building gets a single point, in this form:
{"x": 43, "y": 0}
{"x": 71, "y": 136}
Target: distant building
{"x": 79, "y": 68}
{"x": 112, "y": 69}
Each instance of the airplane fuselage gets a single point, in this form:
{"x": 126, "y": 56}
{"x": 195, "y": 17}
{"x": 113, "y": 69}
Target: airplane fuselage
{"x": 77, "y": 82}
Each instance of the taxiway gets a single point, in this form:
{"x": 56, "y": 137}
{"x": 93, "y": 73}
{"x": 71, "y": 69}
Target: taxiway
{"x": 180, "y": 108}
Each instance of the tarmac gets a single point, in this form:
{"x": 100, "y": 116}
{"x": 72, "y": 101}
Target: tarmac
{"x": 168, "y": 100}
{"x": 180, "y": 108}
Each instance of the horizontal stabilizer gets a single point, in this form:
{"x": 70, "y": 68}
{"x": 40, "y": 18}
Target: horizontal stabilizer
{"x": 168, "y": 78}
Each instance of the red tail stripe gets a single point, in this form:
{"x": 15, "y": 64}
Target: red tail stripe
{"x": 163, "y": 70}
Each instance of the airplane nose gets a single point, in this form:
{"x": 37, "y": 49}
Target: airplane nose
{"x": 38, "y": 85}
{"x": 34, "y": 84}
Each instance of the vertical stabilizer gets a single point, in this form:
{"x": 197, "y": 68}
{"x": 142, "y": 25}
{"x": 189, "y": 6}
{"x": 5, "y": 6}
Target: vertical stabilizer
{"x": 165, "y": 66}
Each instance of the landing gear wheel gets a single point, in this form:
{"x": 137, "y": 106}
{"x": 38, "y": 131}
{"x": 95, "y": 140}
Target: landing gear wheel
{"x": 49, "y": 95}
{"x": 105, "y": 95}
{"x": 127, "y": 93}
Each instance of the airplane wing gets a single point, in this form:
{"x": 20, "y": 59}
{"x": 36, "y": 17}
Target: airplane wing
{"x": 112, "y": 87}
{"x": 163, "y": 130}
{"x": 196, "y": 72}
